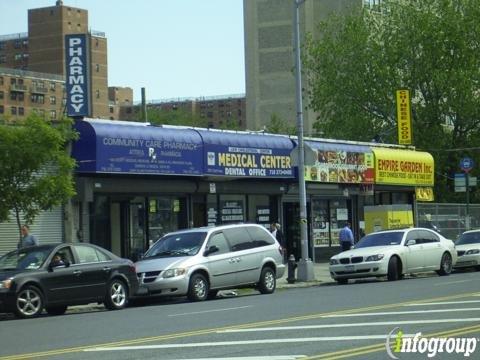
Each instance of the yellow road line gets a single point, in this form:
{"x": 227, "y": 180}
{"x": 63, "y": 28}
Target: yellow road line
{"x": 214, "y": 330}
{"x": 379, "y": 347}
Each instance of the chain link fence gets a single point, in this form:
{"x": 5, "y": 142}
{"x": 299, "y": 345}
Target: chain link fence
{"x": 449, "y": 219}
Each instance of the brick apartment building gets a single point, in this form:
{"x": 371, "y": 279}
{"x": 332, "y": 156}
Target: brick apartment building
{"x": 38, "y": 56}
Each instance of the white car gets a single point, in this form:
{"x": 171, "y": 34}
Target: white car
{"x": 468, "y": 249}
{"x": 393, "y": 253}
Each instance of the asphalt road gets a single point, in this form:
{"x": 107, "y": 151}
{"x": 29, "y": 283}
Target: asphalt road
{"x": 321, "y": 322}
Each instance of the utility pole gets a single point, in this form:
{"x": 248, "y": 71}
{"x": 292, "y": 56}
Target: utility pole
{"x": 305, "y": 265}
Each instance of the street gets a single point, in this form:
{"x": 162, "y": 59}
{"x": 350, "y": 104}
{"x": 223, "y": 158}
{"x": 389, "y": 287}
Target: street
{"x": 329, "y": 321}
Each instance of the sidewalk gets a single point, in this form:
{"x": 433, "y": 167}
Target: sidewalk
{"x": 321, "y": 275}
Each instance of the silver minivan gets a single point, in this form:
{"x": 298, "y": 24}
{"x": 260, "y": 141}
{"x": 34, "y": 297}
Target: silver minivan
{"x": 201, "y": 261}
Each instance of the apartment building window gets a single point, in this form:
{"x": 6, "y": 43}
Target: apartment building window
{"x": 13, "y": 81}
{"x": 18, "y": 57}
{"x": 2, "y": 109}
{"x": 1, "y": 95}
{"x": 129, "y": 110}
{"x": 210, "y": 114}
{"x": 239, "y": 112}
{"x": 37, "y": 99}
{"x": 53, "y": 100}
{"x": 64, "y": 101}
{"x": 25, "y": 43}
{"x": 53, "y": 114}
{"x": 229, "y": 113}
{"x": 2, "y": 45}
{"x": 97, "y": 94}
{"x": 97, "y": 67}
{"x": 17, "y": 44}
{"x": 17, "y": 96}
{"x": 13, "y": 110}
{"x": 3, "y": 59}
{"x": 21, "y": 111}
{"x": 52, "y": 86}
{"x": 111, "y": 109}
{"x": 1, "y": 80}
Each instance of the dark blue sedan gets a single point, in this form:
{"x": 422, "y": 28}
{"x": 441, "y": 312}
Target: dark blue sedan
{"x": 55, "y": 276}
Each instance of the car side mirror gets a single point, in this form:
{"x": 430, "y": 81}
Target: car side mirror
{"x": 212, "y": 249}
{"x": 410, "y": 242}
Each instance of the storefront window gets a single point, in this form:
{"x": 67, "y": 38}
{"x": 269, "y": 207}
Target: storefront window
{"x": 232, "y": 209}
{"x": 338, "y": 219}
{"x": 320, "y": 222}
{"x": 260, "y": 211}
{"x": 165, "y": 214}
{"x": 212, "y": 210}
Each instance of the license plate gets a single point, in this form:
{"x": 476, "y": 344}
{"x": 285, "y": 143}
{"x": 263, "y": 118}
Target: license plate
{"x": 349, "y": 268}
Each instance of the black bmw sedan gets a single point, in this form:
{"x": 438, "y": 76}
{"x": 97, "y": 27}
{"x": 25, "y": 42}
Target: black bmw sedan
{"x": 54, "y": 276}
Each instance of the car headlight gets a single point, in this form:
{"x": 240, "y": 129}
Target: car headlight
{"x": 173, "y": 272}
{"x": 377, "y": 257}
{"x": 473, "y": 251}
{"x": 333, "y": 261}
{"x": 6, "y": 284}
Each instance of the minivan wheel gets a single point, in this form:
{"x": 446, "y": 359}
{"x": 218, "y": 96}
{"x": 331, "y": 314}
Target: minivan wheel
{"x": 29, "y": 302}
{"x": 267, "y": 282}
{"x": 198, "y": 288}
{"x": 116, "y": 297}
{"x": 445, "y": 265}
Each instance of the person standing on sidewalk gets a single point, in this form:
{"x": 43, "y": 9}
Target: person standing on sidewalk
{"x": 346, "y": 237}
{"x": 27, "y": 238}
{"x": 278, "y": 234}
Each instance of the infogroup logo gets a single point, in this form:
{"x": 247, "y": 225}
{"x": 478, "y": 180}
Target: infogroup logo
{"x": 431, "y": 346}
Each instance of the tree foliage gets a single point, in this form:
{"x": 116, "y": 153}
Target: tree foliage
{"x": 431, "y": 47}
{"x": 36, "y": 171}
{"x": 277, "y": 125}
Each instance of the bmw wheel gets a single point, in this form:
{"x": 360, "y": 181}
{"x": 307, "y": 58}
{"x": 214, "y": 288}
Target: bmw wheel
{"x": 445, "y": 265}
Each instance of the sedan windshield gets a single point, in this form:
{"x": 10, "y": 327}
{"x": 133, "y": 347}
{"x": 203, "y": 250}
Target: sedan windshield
{"x": 380, "y": 239}
{"x": 469, "y": 238}
{"x": 25, "y": 259}
{"x": 186, "y": 244}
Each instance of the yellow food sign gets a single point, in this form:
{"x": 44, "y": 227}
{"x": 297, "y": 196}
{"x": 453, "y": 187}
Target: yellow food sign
{"x": 424, "y": 194}
{"x": 404, "y": 120}
{"x": 403, "y": 167}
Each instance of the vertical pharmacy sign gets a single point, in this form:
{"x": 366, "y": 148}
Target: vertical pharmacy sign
{"x": 404, "y": 118}
{"x": 76, "y": 62}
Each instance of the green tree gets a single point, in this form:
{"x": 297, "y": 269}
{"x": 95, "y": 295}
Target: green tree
{"x": 431, "y": 47}
{"x": 36, "y": 171}
{"x": 277, "y": 125}
{"x": 175, "y": 117}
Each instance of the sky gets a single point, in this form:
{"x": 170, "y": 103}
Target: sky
{"x": 182, "y": 48}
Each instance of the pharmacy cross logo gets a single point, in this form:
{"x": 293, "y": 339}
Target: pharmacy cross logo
{"x": 431, "y": 346}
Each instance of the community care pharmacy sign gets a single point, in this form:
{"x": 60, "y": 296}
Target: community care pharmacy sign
{"x": 76, "y": 75}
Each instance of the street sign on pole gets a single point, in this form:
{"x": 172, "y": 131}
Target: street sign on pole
{"x": 466, "y": 164}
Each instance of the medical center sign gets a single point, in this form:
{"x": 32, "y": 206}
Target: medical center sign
{"x": 76, "y": 75}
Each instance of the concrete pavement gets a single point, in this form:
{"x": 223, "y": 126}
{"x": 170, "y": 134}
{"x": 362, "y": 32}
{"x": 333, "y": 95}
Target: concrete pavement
{"x": 321, "y": 275}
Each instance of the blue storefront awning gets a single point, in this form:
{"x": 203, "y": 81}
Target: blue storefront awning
{"x": 246, "y": 155}
{"x": 136, "y": 148}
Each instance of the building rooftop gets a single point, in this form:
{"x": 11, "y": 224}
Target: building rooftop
{"x": 30, "y": 74}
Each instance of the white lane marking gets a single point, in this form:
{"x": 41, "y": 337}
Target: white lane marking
{"x": 244, "y": 342}
{"x": 443, "y": 303}
{"x": 273, "y": 357}
{"x": 451, "y": 282}
{"x": 328, "y": 326}
{"x": 401, "y": 312}
{"x": 209, "y": 311}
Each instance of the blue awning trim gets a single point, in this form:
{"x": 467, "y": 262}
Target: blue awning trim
{"x": 246, "y": 155}
{"x": 136, "y": 148}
